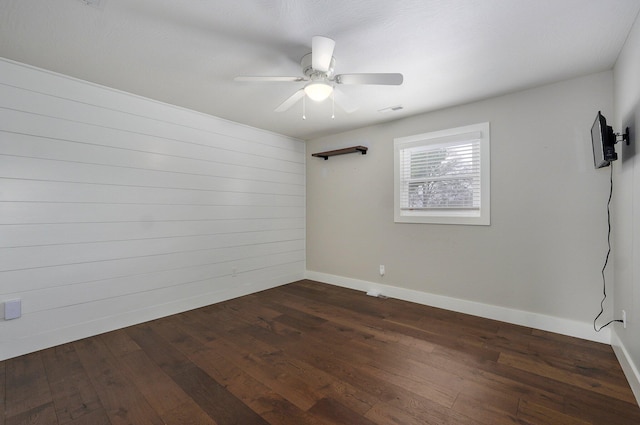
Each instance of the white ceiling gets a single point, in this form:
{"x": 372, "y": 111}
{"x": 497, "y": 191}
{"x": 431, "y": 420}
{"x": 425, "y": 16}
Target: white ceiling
{"x": 187, "y": 52}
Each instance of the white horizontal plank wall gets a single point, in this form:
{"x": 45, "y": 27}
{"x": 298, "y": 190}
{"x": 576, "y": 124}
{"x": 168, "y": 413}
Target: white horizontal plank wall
{"x": 115, "y": 209}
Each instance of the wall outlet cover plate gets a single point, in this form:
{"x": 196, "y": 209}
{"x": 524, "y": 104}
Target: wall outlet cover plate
{"x": 12, "y": 309}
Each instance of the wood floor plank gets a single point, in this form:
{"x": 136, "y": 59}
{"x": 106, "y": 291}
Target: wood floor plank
{"x": 346, "y": 367}
{"x": 493, "y": 398}
{"x": 188, "y": 413}
{"x": 540, "y": 415}
{"x": 600, "y": 409}
{"x": 399, "y": 326}
{"x": 160, "y": 391}
{"x": 394, "y": 368}
{"x": 415, "y": 412}
{"x": 335, "y": 412}
{"x": 253, "y": 310}
{"x": 573, "y": 343}
{"x": 119, "y": 342}
{"x": 485, "y": 409}
{"x": 351, "y": 396}
{"x": 159, "y": 350}
{"x": 345, "y": 318}
{"x": 321, "y": 384}
{"x": 215, "y": 400}
{"x": 41, "y": 415}
{"x": 256, "y": 362}
{"x": 27, "y": 385}
{"x": 572, "y": 377}
{"x": 196, "y": 329}
{"x": 437, "y": 385}
{"x": 2, "y": 392}
{"x": 481, "y": 372}
{"x": 184, "y": 338}
{"x": 489, "y": 383}
{"x": 96, "y": 417}
{"x": 217, "y": 318}
{"x": 73, "y": 393}
{"x": 313, "y": 354}
{"x": 122, "y": 401}
{"x": 383, "y": 414}
{"x": 272, "y": 406}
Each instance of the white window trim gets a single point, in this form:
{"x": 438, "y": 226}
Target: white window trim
{"x": 473, "y": 217}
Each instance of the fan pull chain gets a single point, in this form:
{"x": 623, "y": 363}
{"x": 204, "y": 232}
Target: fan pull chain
{"x": 304, "y": 104}
{"x": 333, "y": 105}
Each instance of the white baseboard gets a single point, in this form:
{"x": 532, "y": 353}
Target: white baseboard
{"x": 583, "y": 330}
{"x": 629, "y": 368}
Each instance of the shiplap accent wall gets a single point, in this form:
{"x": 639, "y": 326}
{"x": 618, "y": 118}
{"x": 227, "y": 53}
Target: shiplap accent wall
{"x": 116, "y": 209}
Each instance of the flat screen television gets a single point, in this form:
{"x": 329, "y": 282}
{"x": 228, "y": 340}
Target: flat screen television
{"x": 603, "y": 141}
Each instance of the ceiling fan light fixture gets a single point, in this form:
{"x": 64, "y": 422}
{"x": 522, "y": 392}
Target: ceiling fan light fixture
{"x": 318, "y": 90}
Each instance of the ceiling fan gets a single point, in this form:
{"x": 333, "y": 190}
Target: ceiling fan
{"x": 318, "y": 70}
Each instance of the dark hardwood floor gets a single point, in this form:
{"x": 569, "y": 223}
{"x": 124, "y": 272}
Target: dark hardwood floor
{"x": 308, "y": 353}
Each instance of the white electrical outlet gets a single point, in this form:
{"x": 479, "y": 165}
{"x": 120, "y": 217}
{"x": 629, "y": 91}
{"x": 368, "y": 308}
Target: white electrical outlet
{"x": 12, "y": 309}
{"x": 624, "y": 319}
{"x": 381, "y": 269}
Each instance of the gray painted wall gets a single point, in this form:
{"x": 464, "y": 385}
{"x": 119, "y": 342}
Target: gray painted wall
{"x": 544, "y": 249}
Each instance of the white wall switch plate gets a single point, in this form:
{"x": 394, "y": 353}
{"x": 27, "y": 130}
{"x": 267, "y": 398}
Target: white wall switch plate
{"x": 12, "y": 309}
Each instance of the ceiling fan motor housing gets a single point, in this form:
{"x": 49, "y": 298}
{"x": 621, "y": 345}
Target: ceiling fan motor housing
{"x": 313, "y": 74}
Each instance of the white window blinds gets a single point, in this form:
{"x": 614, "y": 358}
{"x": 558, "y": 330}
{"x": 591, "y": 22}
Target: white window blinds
{"x": 443, "y": 177}
{"x": 445, "y": 174}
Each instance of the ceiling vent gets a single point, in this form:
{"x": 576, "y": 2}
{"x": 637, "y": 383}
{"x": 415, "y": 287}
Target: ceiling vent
{"x": 98, "y": 4}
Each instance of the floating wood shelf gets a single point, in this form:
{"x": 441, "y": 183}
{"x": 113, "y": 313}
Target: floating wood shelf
{"x": 353, "y": 149}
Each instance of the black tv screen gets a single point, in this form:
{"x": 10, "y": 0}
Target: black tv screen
{"x": 603, "y": 141}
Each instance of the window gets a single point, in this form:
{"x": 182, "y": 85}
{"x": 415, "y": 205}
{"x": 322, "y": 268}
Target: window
{"x": 443, "y": 177}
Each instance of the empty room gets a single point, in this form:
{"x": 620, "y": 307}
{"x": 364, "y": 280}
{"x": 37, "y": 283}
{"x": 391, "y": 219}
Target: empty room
{"x": 296, "y": 212}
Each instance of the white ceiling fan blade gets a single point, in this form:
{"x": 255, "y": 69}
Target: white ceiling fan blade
{"x": 381, "y": 79}
{"x": 258, "y": 79}
{"x": 343, "y": 101}
{"x": 321, "y": 53}
{"x": 290, "y": 101}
